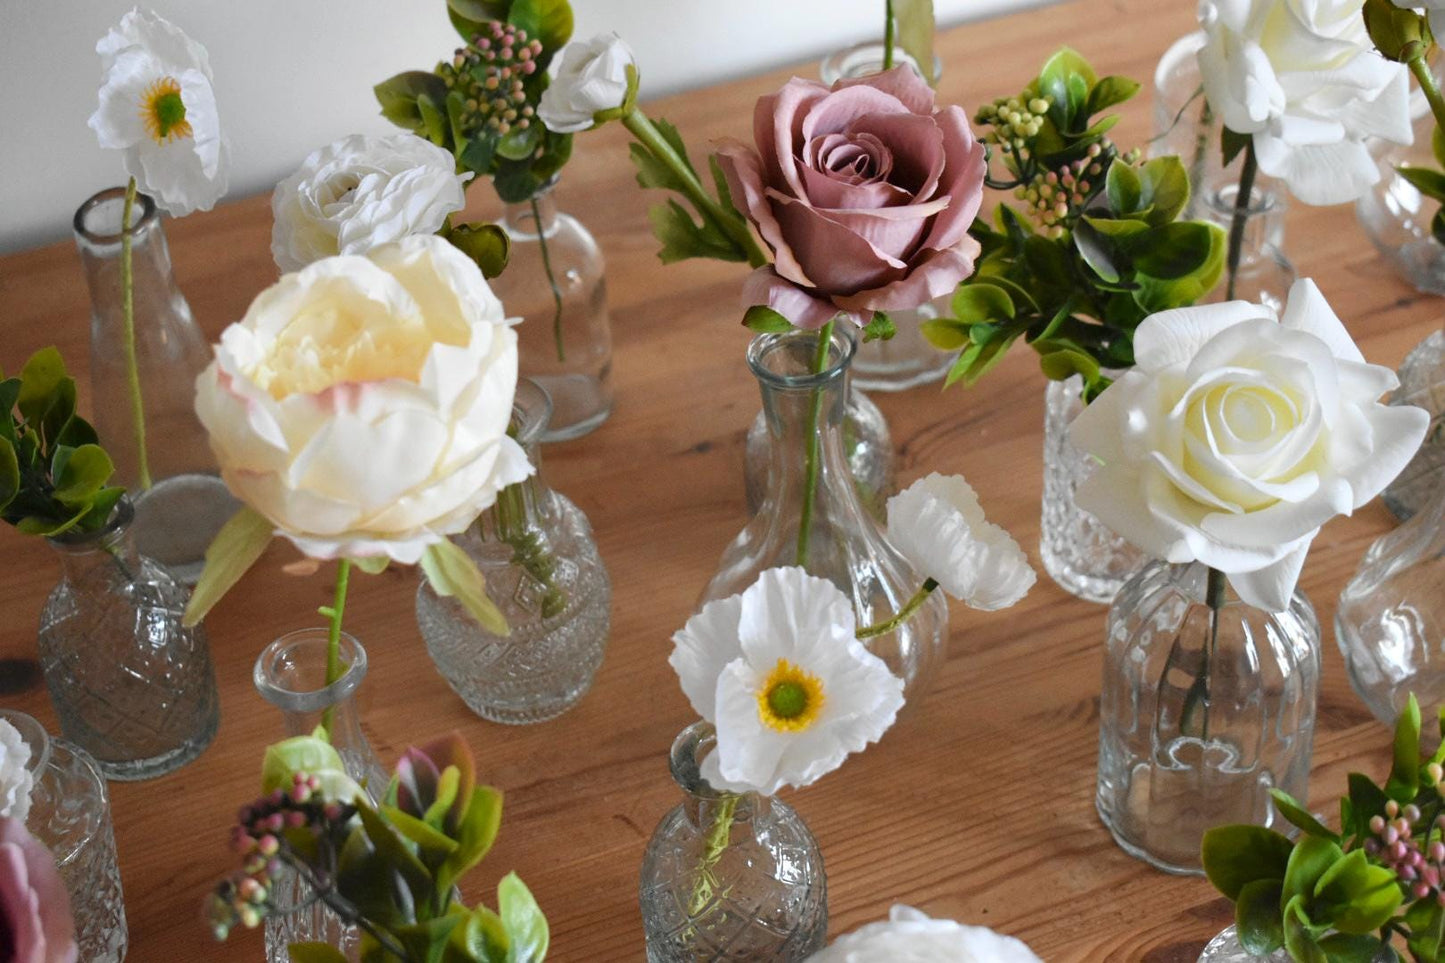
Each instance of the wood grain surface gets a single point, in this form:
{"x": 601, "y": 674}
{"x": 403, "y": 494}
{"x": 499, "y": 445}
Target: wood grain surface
{"x": 977, "y": 806}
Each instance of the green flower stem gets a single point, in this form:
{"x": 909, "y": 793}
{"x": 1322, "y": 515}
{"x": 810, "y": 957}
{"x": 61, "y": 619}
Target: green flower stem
{"x": 888, "y": 34}
{"x": 904, "y": 614}
{"x": 717, "y": 842}
{"x": 727, "y": 221}
{"x": 1241, "y": 213}
{"x": 1431, "y": 89}
{"x": 551, "y": 278}
{"x": 127, "y": 306}
{"x": 1199, "y": 695}
{"x": 333, "y": 639}
{"x": 812, "y": 444}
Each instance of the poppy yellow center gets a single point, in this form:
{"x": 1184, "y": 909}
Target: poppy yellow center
{"x": 163, "y": 111}
{"x": 790, "y": 698}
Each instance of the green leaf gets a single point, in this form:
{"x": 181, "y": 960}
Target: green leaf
{"x": 1311, "y": 859}
{"x": 879, "y": 328}
{"x": 1299, "y": 938}
{"x": 1047, "y": 260}
{"x": 1061, "y": 364}
{"x": 945, "y": 334}
{"x": 1348, "y": 948}
{"x": 764, "y": 320}
{"x": 1110, "y": 91}
{"x": 526, "y": 926}
{"x": 915, "y": 33}
{"x": 435, "y": 846}
{"x": 1437, "y": 145}
{"x": 1356, "y": 896}
{"x": 1166, "y": 188}
{"x": 1155, "y": 294}
{"x": 1426, "y": 919}
{"x": 83, "y": 474}
{"x": 1116, "y": 227}
{"x": 426, "y": 942}
{"x": 980, "y": 302}
{"x": 479, "y": 155}
{"x": 1301, "y": 817}
{"x": 389, "y": 846}
{"x": 1172, "y": 251}
{"x": 483, "y": 937}
{"x": 315, "y": 953}
{"x": 652, "y": 171}
{"x": 475, "y": 836}
{"x": 1429, "y": 182}
{"x": 9, "y": 474}
{"x": 486, "y": 244}
{"x": 398, "y": 98}
{"x": 309, "y": 754}
{"x": 1232, "y": 143}
{"x": 1066, "y": 79}
{"x": 1096, "y": 250}
{"x": 452, "y": 574}
{"x": 521, "y": 142}
{"x": 1404, "y": 781}
{"x": 1235, "y": 856}
{"x": 1366, "y": 800}
{"x": 41, "y": 376}
{"x": 231, "y": 553}
{"x": 683, "y": 238}
{"x": 549, "y": 21}
{"x": 1257, "y": 917}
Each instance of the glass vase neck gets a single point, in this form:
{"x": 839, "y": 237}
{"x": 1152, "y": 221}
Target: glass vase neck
{"x": 534, "y": 217}
{"x": 702, "y": 801}
{"x": 36, "y": 739}
{"x": 291, "y": 675}
{"x": 519, "y": 507}
{"x": 98, "y": 235}
{"x": 112, "y": 545}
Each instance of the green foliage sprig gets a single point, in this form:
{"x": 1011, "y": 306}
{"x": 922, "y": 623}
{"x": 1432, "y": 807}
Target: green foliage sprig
{"x": 53, "y": 472}
{"x": 1095, "y": 247}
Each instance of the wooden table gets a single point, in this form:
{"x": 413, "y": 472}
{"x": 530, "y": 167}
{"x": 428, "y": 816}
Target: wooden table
{"x": 978, "y": 807}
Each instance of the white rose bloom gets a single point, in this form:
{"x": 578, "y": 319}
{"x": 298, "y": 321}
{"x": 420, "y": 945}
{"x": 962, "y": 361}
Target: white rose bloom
{"x": 359, "y": 192}
{"x": 592, "y": 78}
{"x": 1303, "y": 78}
{"x": 913, "y": 937}
{"x": 158, "y": 106}
{"x": 939, "y": 526}
{"x": 778, "y": 672}
{"x": 362, "y": 404}
{"x": 1236, "y": 436}
{"x": 15, "y": 779}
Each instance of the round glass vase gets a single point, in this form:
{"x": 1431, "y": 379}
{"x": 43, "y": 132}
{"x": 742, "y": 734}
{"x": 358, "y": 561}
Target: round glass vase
{"x": 1226, "y": 948}
{"x": 290, "y": 673}
{"x": 186, "y": 503}
{"x": 540, "y": 560}
{"x": 762, "y": 896}
{"x": 132, "y": 686}
{"x": 1422, "y": 383}
{"x": 1197, "y": 722}
{"x": 555, "y": 281}
{"x": 70, "y": 815}
{"x": 841, "y": 541}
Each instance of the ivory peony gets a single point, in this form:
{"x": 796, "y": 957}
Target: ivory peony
{"x": 362, "y": 404}
{"x": 595, "y": 77}
{"x": 35, "y": 921}
{"x": 912, "y": 937}
{"x": 1236, "y": 436}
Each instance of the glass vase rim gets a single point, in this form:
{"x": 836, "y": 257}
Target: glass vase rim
{"x": 147, "y": 215}
{"x": 833, "y": 62}
{"x": 844, "y": 348}
{"x": 1179, "y": 570}
{"x": 353, "y": 657}
{"x": 35, "y": 737}
{"x": 692, "y": 744}
{"x": 80, "y": 543}
{"x": 532, "y": 408}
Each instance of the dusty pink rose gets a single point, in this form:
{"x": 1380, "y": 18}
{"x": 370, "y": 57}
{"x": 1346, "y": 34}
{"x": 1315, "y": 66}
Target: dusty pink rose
{"x": 35, "y": 921}
{"x": 864, "y": 193}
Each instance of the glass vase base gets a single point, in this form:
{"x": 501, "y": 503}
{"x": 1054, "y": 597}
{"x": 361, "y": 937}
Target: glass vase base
{"x": 176, "y": 519}
{"x": 1225, "y": 948}
{"x": 580, "y": 404}
{"x": 136, "y": 770}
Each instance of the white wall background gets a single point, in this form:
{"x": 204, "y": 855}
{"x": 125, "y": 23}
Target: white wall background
{"x": 292, "y": 75}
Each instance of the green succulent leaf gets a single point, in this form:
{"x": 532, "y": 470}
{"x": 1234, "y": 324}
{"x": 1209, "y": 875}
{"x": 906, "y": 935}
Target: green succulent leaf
{"x": 1300, "y": 938}
{"x": 1308, "y": 863}
{"x": 1355, "y": 896}
{"x": 1235, "y": 856}
{"x": 433, "y": 844}
{"x": 39, "y": 379}
{"x": 482, "y": 937}
{"x": 475, "y": 835}
{"x": 82, "y": 475}
{"x": 1257, "y": 917}
{"x": 526, "y": 926}
{"x": 1351, "y": 948}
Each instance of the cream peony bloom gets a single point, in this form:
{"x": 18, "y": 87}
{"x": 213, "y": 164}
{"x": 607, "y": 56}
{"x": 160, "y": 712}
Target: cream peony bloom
{"x": 912, "y": 937}
{"x": 359, "y": 192}
{"x": 362, "y": 404}
{"x": 16, "y": 782}
{"x": 939, "y": 526}
{"x": 779, "y": 674}
{"x": 1236, "y": 436}
{"x": 1303, "y": 78}
{"x": 595, "y": 77}
{"x": 158, "y": 106}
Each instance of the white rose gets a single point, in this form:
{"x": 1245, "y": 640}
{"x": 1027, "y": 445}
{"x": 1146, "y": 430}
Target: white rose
{"x": 1303, "y": 78}
{"x": 1236, "y": 436}
{"x": 359, "y": 192}
{"x": 15, "y": 779}
{"x": 912, "y": 937}
{"x": 594, "y": 77}
{"x": 362, "y": 404}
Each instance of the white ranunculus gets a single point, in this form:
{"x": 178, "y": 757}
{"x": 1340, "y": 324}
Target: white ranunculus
{"x": 359, "y": 192}
{"x": 939, "y": 526}
{"x": 158, "y": 106}
{"x": 913, "y": 937}
{"x": 362, "y": 404}
{"x": 1304, "y": 80}
{"x": 593, "y": 77}
{"x": 790, "y": 690}
{"x": 15, "y": 779}
{"x": 1236, "y": 436}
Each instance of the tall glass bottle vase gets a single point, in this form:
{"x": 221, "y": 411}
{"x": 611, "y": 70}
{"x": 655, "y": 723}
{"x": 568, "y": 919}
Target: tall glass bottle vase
{"x": 1199, "y": 717}
{"x": 540, "y": 560}
{"x": 290, "y": 674}
{"x": 70, "y": 815}
{"x": 840, "y": 540}
{"x": 555, "y": 282}
{"x": 186, "y": 502}
{"x": 131, "y": 686}
{"x": 730, "y": 877}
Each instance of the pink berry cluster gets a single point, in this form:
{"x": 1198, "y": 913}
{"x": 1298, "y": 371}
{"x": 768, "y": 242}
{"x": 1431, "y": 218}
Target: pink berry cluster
{"x": 490, "y": 72}
{"x": 1419, "y": 867}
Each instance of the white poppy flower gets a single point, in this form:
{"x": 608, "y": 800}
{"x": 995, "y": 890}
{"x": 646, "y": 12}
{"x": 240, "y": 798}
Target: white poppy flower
{"x": 939, "y": 526}
{"x": 913, "y": 937}
{"x": 1302, "y": 77}
{"x": 15, "y": 779}
{"x": 595, "y": 77}
{"x": 790, "y": 690}
{"x": 158, "y": 106}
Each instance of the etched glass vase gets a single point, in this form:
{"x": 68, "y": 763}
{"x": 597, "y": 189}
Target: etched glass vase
{"x": 131, "y": 685}
{"x": 763, "y": 895}
{"x": 537, "y": 552}
{"x": 1226, "y": 948}
{"x": 554, "y": 280}
{"x": 186, "y": 502}
{"x": 1199, "y": 719}
{"x": 70, "y": 815}
{"x": 832, "y": 535}
{"x": 1422, "y": 383}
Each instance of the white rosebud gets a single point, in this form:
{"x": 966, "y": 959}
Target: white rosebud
{"x": 593, "y": 78}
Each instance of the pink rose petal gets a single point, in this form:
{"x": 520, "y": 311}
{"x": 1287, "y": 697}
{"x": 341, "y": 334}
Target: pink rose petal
{"x": 764, "y": 286}
{"x": 916, "y": 144}
{"x": 938, "y": 274}
{"x": 743, "y": 171}
{"x": 902, "y": 82}
{"x": 962, "y": 181}
{"x": 836, "y": 258}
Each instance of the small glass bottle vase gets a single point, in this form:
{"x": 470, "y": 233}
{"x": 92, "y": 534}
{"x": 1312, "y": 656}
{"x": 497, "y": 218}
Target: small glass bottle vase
{"x": 842, "y": 541}
{"x": 186, "y": 502}
{"x": 290, "y": 674}
{"x": 554, "y": 280}
{"x": 763, "y": 895}
{"x": 1198, "y": 721}
{"x": 70, "y": 815}
{"x": 131, "y": 686}
{"x": 1226, "y": 948}
{"x": 537, "y": 552}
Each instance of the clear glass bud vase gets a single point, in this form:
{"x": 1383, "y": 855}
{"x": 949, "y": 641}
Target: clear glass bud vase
{"x": 290, "y": 674}
{"x": 760, "y": 895}
{"x": 1226, "y": 948}
{"x": 555, "y": 282}
{"x": 1198, "y": 720}
{"x": 70, "y": 815}
{"x": 1422, "y": 383}
{"x": 186, "y": 502}
{"x": 841, "y": 541}
{"x": 537, "y": 552}
{"x": 131, "y": 686}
